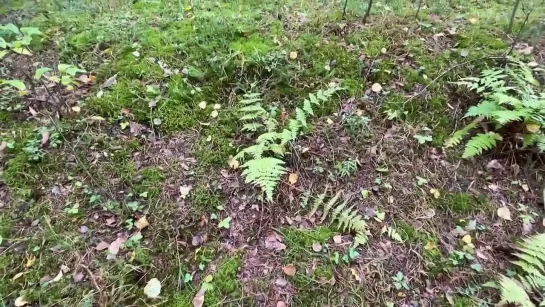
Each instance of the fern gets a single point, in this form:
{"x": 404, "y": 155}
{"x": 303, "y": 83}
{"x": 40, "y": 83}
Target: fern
{"x": 346, "y": 218}
{"x": 265, "y": 173}
{"x": 531, "y": 260}
{"x": 479, "y": 143}
{"x": 392, "y": 233}
{"x": 265, "y": 168}
{"x": 510, "y": 95}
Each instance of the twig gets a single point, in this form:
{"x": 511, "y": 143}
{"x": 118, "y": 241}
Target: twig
{"x": 418, "y": 10}
{"x": 515, "y": 41}
{"x": 368, "y": 11}
{"x": 93, "y": 280}
{"x": 344, "y": 8}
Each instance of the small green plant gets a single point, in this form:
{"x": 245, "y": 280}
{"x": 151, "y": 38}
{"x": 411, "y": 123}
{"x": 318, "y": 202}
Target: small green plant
{"x": 355, "y": 124}
{"x": 16, "y": 39}
{"x": 265, "y": 166}
{"x": 531, "y": 261}
{"x": 66, "y": 75}
{"x": 347, "y": 218}
{"x": 399, "y": 282}
{"x": 347, "y": 168}
{"x": 510, "y": 95}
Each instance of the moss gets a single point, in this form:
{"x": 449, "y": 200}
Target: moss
{"x": 142, "y": 256}
{"x": 122, "y": 165}
{"x": 253, "y": 44}
{"x": 476, "y": 38}
{"x": 214, "y": 147}
{"x": 324, "y": 271}
{"x": 151, "y": 181}
{"x": 299, "y": 241}
{"x": 204, "y": 200}
{"x": 462, "y": 203}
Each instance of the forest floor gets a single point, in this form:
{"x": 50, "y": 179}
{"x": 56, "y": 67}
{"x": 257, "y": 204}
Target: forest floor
{"x": 126, "y": 177}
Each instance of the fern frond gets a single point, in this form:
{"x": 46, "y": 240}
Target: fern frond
{"x": 317, "y": 202}
{"x": 307, "y": 107}
{"x": 485, "y": 109}
{"x": 479, "y": 143}
{"x": 513, "y": 292}
{"x": 268, "y": 137}
{"x": 457, "y": 137}
{"x": 265, "y": 173}
{"x": 252, "y": 127}
{"x": 503, "y": 117}
{"x": 301, "y": 116}
{"x": 330, "y": 205}
{"x": 336, "y": 211}
{"x": 294, "y": 126}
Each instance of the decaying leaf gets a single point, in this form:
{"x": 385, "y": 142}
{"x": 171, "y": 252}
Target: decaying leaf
{"x": 58, "y": 277}
{"x": 233, "y": 163}
{"x": 355, "y": 274}
{"x": 376, "y": 87}
{"x": 153, "y": 288}
{"x": 435, "y": 193}
{"x": 198, "y": 300}
{"x": 289, "y": 270}
{"x": 293, "y": 55}
{"x": 113, "y": 249}
{"x": 533, "y": 128}
{"x": 467, "y": 239}
{"x": 337, "y": 239}
{"x": 111, "y": 81}
{"x": 184, "y": 191}
{"x": 102, "y": 246}
{"x": 274, "y": 242}
{"x": 292, "y": 178}
{"x": 316, "y": 246}
{"x": 142, "y": 223}
{"x": 20, "y": 301}
{"x": 504, "y": 213}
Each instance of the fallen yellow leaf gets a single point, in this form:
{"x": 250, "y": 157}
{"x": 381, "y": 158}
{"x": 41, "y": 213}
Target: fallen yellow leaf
{"x": 30, "y": 261}
{"x": 233, "y": 163}
{"x": 533, "y": 128}
{"x": 435, "y": 193}
{"x": 430, "y": 245}
{"x": 142, "y": 223}
{"x": 292, "y": 178}
{"x": 467, "y": 239}
{"x": 473, "y": 20}
{"x": 293, "y": 55}
{"x": 376, "y": 87}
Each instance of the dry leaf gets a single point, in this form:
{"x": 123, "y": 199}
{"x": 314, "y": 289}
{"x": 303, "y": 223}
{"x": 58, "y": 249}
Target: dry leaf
{"x": 77, "y": 277}
{"x": 376, "y": 87}
{"x": 217, "y": 106}
{"x": 184, "y": 191}
{"x": 504, "y": 213}
{"x": 30, "y": 261}
{"x": 355, "y": 274}
{"x": 467, "y": 239}
{"x": 153, "y": 288}
{"x": 289, "y": 270}
{"x": 76, "y": 109}
{"x": 473, "y": 20}
{"x": 430, "y": 245}
{"x": 481, "y": 255}
{"x": 435, "y": 193}
{"x": 97, "y": 118}
{"x": 20, "y": 301}
{"x": 102, "y": 246}
{"x": 58, "y": 277}
{"x": 337, "y": 239}
{"x": 142, "y": 223}
{"x": 494, "y": 164}
{"x": 533, "y": 128}
{"x": 281, "y": 304}
{"x": 202, "y": 105}
{"x": 273, "y": 241}
{"x": 198, "y": 300}
{"x": 32, "y": 111}
{"x": 525, "y": 187}
{"x": 316, "y": 246}
{"x": 281, "y": 282}
{"x": 233, "y": 163}
{"x": 111, "y": 81}
{"x": 214, "y": 114}
{"x": 292, "y": 178}
{"x": 329, "y": 121}
{"x": 17, "y": 276}
{"x": 113, "y": 249}
{"x": 293, "y": 55}
{"x": 45, "y": 137}
{"x": 527, "y": 50}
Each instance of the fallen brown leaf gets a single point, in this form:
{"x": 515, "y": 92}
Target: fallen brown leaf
{"x": 316, "y": 246}
{"x": 289, "y": 270}
{"x": 198, "y": 300}
{"x": 102, "y": 246}
{"x": 142, "y": 223}
{"x": 111, "y": 81}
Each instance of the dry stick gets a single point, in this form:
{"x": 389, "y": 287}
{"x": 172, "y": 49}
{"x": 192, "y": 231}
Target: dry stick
{"x": 344, "y": 8}
{"x": 512, "y": 19}
{"x": 515, "y": 41}
{"x": 368, "y": 11}
{"x": 418, "y": 10}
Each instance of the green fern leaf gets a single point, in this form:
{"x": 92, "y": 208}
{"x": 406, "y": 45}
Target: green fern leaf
{"x": 253, "y": 127}
{"x": 265, "y": 173}
{"x": 314, "y": 99}
{"x": 301, "y": 116}
{"x": 307, "y": 107}
{"x": 336, "y": 211}
{"x": 268, "y": 137}
{"x": 456, "y": 138}
{"x": 485, "y": 109}
{"x": 330, "y": 205}
{"x": 479, "y": 143}
{"x": 503, "y": 117}
{"x": 512, "y": 292}
{"x": 294, "y": 126}
{"x": 317, "y": 203}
